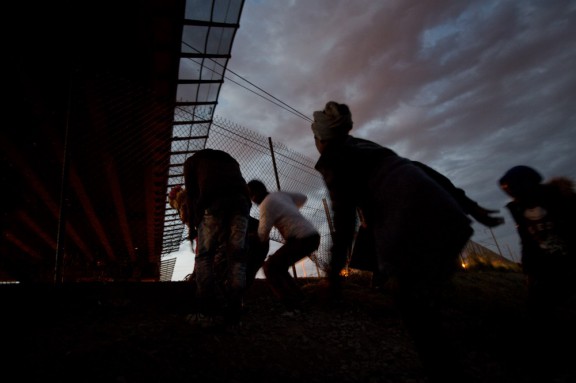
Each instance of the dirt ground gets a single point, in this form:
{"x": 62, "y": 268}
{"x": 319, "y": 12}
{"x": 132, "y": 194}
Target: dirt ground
{"x": 128, "y": 333}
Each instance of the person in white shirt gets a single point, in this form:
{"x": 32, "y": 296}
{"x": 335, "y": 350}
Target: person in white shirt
{"x": 281, "y": 209}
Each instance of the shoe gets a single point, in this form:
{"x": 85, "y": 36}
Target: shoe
{"x": 202, "y": 321}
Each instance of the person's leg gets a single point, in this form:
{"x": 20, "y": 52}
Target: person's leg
{"x": 543, "y": 332}
{"x": 419, "y": 232}
{"x": 277, "y": 266}
{"x": 208, "y": 233}
{"x": 418, "y": 298}
{"x": 257, "y": 251}
{"x": 256, "y": 255}
{"x": 237, "y": 266}
{"x": 420, "y": 314}
{"x": 220, "y": 270}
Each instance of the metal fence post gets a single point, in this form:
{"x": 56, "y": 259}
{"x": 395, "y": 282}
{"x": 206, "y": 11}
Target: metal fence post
{"x": 278, "y": 186}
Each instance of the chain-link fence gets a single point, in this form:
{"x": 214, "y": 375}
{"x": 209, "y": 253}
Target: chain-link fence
{"x": 273, "y": 163}
{"x": 260, "y": 157}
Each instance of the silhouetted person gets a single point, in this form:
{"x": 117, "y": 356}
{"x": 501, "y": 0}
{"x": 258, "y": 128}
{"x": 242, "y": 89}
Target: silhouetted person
{"x": 281, "y": 209}
{"x": 416, "y": 217}
{"x": 218, "y": 210}
{"x": 545, "y": 217}
{"x": 256, "y": 250}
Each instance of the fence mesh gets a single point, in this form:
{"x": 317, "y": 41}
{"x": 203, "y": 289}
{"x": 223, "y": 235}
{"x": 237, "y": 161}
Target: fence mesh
{"x": 260, "y": 157}
{"x": 273, "y": 163}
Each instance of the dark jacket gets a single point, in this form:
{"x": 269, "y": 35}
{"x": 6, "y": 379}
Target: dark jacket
{"x": 411, "y": 207}
{"x": 214, "y": 181}
{"x": 546, "y": 225}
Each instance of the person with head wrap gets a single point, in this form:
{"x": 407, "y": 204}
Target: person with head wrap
{"x": 545, "y": 217}
{"x": 417, "y": 217}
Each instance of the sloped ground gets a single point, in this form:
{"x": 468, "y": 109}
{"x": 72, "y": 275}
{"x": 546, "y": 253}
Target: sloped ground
{"x": 139, "y": 333}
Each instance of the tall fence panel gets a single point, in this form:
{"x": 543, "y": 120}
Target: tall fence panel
{"x": 278, "y": 167}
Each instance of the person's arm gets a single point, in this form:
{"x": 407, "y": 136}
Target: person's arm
{"x": 344, "y": 219}
{"x": 298, "y": 198}
{"x": 469, "y": 206}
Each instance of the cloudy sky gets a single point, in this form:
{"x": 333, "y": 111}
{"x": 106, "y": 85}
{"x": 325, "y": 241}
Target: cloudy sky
{"x": 470, "y": 88}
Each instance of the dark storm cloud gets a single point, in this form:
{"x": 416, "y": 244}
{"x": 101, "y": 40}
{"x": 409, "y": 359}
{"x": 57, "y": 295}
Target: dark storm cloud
{"x": 469, "y": 87}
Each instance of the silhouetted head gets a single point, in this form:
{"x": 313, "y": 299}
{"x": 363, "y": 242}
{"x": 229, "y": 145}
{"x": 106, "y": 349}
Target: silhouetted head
{"x": 257, "y": 191}
{"x": 520, "y": 182}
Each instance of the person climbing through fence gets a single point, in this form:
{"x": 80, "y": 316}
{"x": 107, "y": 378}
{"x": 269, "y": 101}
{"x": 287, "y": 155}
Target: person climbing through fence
{"x": 281, "y": 209}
